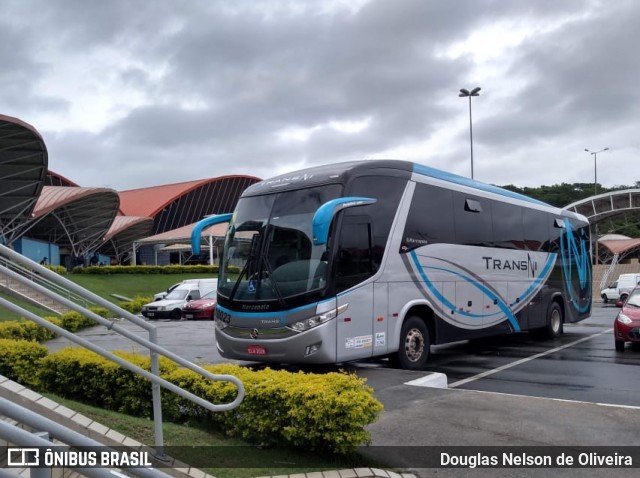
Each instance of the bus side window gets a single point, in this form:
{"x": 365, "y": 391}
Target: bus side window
{"x": 354, "y": 258}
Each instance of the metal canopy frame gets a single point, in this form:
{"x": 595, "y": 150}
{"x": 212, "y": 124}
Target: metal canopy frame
{"x": 23, "y": 168}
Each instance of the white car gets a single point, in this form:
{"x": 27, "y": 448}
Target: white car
{"x": 610, "y": 293}
{"x": 171, "y": 306}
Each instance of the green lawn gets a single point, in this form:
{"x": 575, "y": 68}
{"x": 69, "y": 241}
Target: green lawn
{"x": 130, "y": 285}
{"x": 6, "y": 314}
{"x": 127, "y": 285}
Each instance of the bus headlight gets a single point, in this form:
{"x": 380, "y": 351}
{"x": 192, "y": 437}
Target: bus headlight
{"x": 319, "y": 319}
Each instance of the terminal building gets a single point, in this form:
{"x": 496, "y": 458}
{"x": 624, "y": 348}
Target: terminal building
{"x": 53, "y": 220}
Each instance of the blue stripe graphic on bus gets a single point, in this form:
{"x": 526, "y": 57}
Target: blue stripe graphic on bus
{"x": 576, "y": 259}
{"x": 499, "y": 301}
{"x": 546, "y": 270}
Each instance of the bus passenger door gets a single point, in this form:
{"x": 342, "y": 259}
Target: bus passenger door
{"x": 354, "y": 265}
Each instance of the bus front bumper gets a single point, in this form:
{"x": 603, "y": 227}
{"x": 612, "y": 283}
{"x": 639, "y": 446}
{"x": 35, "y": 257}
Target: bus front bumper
{"x": 317, "y": 345}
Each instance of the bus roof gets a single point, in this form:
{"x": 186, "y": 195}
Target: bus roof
{"x": 339, "y": 172}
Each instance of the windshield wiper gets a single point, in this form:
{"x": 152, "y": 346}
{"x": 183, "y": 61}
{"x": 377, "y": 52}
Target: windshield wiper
{"x": 274, "y": 286}
{"x": 248, "y": 265}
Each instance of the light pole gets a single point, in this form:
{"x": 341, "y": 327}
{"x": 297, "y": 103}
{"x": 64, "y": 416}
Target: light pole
{"x": 595, "y": 192}
{"x": 595, "y": 167}
{"x": 464, "y": 93}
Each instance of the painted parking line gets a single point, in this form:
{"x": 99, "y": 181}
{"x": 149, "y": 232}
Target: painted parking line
{"x": 525, "y": 360}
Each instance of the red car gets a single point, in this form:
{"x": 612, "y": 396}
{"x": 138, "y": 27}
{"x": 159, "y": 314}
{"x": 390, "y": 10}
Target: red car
{"x": 202, "y": 308}
{"x": 626, "y": 327}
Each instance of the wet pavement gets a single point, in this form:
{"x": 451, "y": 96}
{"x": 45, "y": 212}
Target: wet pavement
{"x": 575, "y": 391}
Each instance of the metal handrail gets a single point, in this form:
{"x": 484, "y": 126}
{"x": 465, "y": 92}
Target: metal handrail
{"x": 38, "y": 279}
{"x": 151, "y": 344}
{"x": 20, "y": 437}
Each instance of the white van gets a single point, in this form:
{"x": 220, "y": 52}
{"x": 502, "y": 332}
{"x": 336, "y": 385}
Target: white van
{"x": 620, "y": 289}
{"x": 171, "y": 306}
{"x": 163, "y": 294}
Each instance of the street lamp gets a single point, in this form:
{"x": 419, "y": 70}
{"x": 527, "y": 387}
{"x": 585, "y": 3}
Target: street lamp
{"x": 595, "y": 167}
{"x": 464, "y": 93}
{"x": 595, "y": 192}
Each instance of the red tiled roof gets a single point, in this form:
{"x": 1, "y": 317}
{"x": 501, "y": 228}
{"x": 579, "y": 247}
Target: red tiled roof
{"x": 618, "y": 246}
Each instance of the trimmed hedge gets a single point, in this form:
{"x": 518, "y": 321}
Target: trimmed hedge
{"x": 327, "y": 411}
{"x": 19, "y": 360}
{"x": 28, "y": 330}
{"x": 135, "y": 306}
{"x": 106, "y": 270}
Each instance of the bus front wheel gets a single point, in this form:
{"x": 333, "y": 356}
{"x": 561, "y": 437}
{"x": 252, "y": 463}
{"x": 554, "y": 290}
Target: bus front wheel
{"x": 414, "y": 344}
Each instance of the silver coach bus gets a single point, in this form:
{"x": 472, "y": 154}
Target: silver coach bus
{"x": 385, "y": 258}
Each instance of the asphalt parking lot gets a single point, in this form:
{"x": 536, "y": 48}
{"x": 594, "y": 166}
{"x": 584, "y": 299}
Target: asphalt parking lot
{"x": 575, "y": 391}
{"x": 582, "y": 365}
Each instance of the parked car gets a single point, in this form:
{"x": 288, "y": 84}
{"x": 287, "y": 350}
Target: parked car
{"x": 171, "y": 306}
{"x": 163, "y": 294}
{"x": 626, "y": 327}
{"x": 202, "y": 308}
{"x": 620, "y": 289}
{"x": 611, "y": 293}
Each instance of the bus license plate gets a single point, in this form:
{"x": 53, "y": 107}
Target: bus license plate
{"x": 256, "y": 350}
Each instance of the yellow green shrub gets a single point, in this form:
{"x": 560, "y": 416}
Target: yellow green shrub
{"x": 135, "y": 306}
{"x": 19, "y": 360}
{"x": 316, "y": 411}
{"x": 86, "y": 376}
{"x": 26, "y": 330}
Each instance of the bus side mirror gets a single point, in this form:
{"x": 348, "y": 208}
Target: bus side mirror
{"x": 325, "y": 213}
{"x": 196, "y": 233}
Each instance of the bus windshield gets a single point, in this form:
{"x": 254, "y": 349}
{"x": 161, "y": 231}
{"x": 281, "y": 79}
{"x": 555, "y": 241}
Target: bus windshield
{"x": 270, "y": 240}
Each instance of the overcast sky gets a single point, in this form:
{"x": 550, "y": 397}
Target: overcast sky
{"x": 131, "y": 94}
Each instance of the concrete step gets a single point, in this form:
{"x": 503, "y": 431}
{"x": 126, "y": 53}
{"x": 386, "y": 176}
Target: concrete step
{"x": 11, "y": 286}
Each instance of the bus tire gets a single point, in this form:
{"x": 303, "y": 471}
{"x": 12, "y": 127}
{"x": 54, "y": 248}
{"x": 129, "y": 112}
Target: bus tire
{"x": 414, "y": 344}
{"x": 553, "y": 328}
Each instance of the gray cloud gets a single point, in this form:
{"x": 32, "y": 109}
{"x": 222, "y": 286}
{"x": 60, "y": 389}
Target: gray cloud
{"x": 215, "y": 84}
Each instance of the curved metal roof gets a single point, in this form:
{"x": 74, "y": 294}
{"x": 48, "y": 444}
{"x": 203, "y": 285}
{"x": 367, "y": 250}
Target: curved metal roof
{"x": 23, "y": 167}
{"x": 73, "y": 217}
{"x": 175, "y": 205}
{"x": 55, "y": 179}
{"x": 607, "y": 205}
{"x": 123, "y": 232}
{"x": 620, "y": 246}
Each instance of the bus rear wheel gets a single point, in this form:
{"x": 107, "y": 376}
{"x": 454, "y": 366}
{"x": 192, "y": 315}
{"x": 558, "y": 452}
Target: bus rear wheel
{"x": 553, "y": 329}
{"x": 414, "y": 344}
